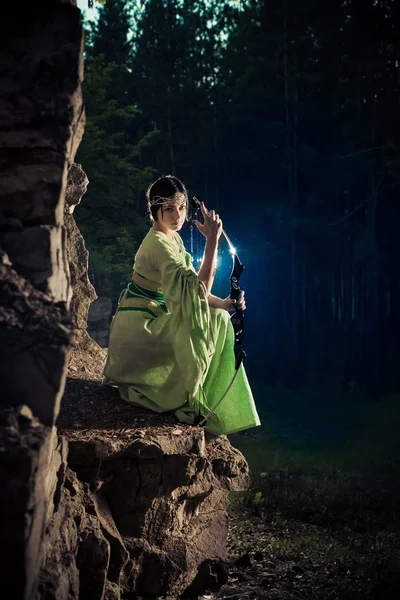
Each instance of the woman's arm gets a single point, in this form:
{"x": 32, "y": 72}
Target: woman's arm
{"x": 216, "y": 302}
{"x": 211, "y": 228}
{"x": 208, "y": 266}
{"x": 227, "y": 303}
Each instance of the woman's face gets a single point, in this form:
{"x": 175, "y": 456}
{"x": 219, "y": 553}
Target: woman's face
{"x": 172, "y": 214}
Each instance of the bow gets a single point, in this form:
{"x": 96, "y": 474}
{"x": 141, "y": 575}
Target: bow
{"x": 237, "y": 318}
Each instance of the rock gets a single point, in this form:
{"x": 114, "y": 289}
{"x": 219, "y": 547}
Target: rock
{"x": 243, "y": 562}
{"x": 90, "y": 312}
{"x": 41, "y": 124}
{"x": 77, "y": 183}
{"x": 211, "y": 575}
{"x": 83, "y": 292}
{"x": 99, "y": 320}
{"x": 85, "y": 349}
{"x": 93, "y": 559}
{"x": 41, "y": 109}
{"x": 38, "y": 254}
{"x": 86, "y": 356}
{"x": 158, "y": 504}
{"x": 34, "y": 337}
{"x": 32, "y": 464}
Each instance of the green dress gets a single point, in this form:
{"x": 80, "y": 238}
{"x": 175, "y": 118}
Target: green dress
{"x": 169, "y": 350}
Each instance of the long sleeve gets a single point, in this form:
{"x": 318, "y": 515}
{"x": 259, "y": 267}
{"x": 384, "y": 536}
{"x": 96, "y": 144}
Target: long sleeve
{"x": 186, "y": 298}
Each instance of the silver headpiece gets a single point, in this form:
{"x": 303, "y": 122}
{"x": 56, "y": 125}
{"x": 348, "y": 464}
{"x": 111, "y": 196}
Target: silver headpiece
{"x": 158, "y": 200}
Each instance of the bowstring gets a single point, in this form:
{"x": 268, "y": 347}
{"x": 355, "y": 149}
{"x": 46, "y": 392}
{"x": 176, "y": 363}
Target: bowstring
{"x": 212, "y": 410}
{"x": 191, "y": 239}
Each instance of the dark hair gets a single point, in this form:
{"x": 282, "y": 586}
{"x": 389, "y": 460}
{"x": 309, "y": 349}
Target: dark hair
{"x": 165, "y": 187}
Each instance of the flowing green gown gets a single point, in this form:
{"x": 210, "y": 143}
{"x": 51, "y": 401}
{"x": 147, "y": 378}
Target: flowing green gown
{"x": 169, "y": 350}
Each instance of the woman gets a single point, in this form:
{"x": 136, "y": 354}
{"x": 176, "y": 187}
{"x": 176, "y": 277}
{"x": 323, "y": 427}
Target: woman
{"x": 171, "y": 341}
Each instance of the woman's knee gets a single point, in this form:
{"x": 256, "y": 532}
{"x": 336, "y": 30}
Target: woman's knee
{"x": 220, "y": 314}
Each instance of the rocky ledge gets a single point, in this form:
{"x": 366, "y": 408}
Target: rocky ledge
{"x": 143, "y": 508}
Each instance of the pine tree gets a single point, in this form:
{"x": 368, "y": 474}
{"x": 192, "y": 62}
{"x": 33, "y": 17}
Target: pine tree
{"x": 109, "y": 36}
{"x": 111, "y": 152}
{"x": 108, "y": 217}
{"x": 174, "y": 72}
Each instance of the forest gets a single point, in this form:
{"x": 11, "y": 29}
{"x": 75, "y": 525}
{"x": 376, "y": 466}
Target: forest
{"x": 284, "y": 117}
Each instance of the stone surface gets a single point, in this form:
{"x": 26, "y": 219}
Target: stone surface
{"x": 77, "y": 183}
{"x": 33, "y": 465}
{"x": 41, "y": 125}
{"x": 99, "y": 320}
{"x": 87, "y": 358}
{"x": 163, "y": 516}
{"x": 158, "y": 487}
{"x": 83, "y": 292}
{"x": 58, "y": 578}
{"x": 38, "y": 253}
{"x": 85, "y": 350}
{"x": 141, "y": 509}
{"x": 41, "y": 109}
{"x": 35, "y": 334}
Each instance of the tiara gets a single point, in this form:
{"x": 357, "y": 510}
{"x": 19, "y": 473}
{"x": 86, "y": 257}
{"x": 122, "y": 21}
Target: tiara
{"x": 158, "y": 200}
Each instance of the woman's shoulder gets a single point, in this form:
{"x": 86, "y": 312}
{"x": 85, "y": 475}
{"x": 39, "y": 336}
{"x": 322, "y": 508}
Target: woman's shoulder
{"x": 155, "y": 239}
{"x": 158, "y": 238}
{"x": 156, "y": 246}
{"x": 143, "y": 246}
{"x": 152, "y": 239}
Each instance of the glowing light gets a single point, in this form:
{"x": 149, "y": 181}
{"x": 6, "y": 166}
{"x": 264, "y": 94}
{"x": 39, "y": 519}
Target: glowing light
{"x": 200, "y": 259}
{"x": 232, "y": 250}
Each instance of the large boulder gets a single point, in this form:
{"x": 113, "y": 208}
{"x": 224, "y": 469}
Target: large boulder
{"x": 41, "y": 125}
{"x": 151, "y": 495}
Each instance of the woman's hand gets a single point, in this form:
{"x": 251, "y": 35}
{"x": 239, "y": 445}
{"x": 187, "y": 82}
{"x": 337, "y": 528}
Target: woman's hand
{"x": 229, "y": 304}
{"x": 211, "y": 228}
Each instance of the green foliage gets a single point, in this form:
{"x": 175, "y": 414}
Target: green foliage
{"x": 110, "y": 156}
{"x": 177, "y": 45}
{"x": 109, "y": 36}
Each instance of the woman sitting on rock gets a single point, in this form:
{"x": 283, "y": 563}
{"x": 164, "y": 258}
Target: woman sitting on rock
{"x": 171, "y": 344}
